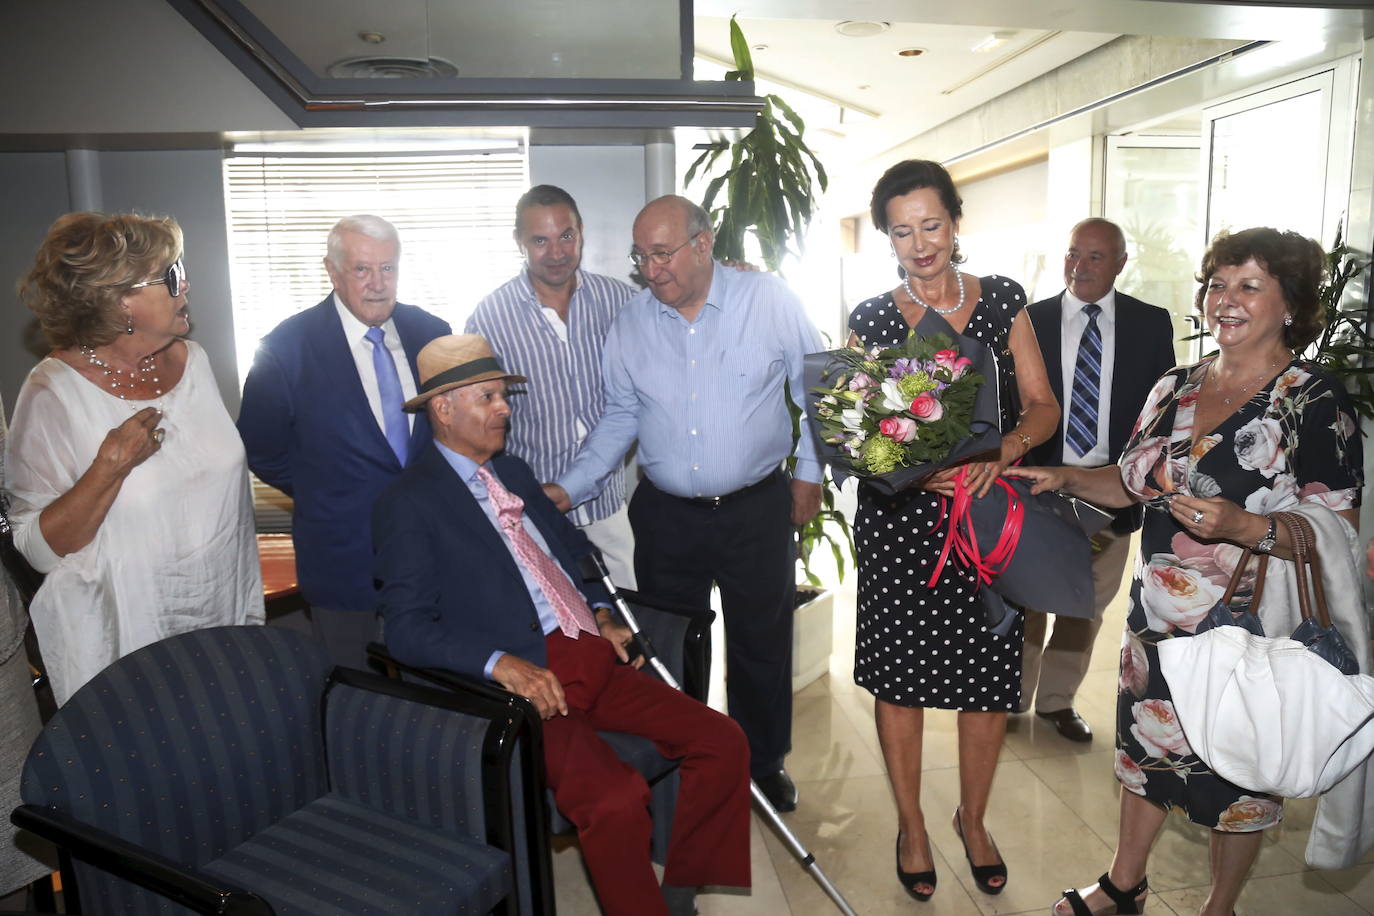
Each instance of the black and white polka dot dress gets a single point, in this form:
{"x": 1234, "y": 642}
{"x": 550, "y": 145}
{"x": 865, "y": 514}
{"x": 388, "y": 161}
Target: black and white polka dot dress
{"x": 918, "y": 645}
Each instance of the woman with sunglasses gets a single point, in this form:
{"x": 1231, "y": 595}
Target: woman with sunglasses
{"x": 127, "y": 479}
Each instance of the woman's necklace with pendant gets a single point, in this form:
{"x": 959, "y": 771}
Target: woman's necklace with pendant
{"x": 906, "y": 282}
{"x": 1216, "y": 381}
{"x": 121, "y": 380}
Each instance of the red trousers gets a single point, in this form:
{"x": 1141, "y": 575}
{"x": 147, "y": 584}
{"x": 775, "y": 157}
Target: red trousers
{"x": 608, "y": 800}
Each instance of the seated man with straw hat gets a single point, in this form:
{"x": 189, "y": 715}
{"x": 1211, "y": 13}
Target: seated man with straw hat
{"x": 478, "y": 574}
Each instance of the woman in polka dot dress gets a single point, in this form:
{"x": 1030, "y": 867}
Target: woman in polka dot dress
{"x": 924, "y": 646}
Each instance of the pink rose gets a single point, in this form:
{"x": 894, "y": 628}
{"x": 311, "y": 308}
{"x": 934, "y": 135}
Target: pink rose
{"x": 1138, "y": 466}
{"x": 1259, "y": 446}
{"x": 1216, "y": 561}
{"x": 1247, "y": 814}
{"x": 1135, "y": 668}
{"x": 927, "y": 408}
{"x": 1157, "y": 729}
{"x": 1131, "y": 776}
{"x": 1174, "y": 595}
{"x": 898, "y": 429}
{"x": 945, "y": 359}
{"x": 961, "y": 367}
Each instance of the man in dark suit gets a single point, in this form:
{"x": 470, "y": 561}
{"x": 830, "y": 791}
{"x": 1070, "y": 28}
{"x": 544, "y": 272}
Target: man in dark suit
{"x": 1103, "y": 351}
{"x": 478, "y": 573}
{"x": 322, "y": 422}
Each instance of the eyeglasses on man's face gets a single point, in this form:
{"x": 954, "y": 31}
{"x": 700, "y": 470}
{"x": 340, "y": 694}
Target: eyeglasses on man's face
{"x": 175, "y": 278}
{"x": 659, "y": 256}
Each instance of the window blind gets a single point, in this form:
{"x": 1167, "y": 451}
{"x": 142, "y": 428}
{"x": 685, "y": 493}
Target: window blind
{"x": 454, "y": 213}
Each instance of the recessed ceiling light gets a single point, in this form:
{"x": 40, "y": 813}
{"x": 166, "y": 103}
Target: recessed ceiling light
{"x": 861, "y": 28}
{"x": 992, "y": 41}
{"x": 372, "y": 38}
{"x": 759, "y": 47}
{"x": 911, "y": 52}
{"x": 864, "y": 86}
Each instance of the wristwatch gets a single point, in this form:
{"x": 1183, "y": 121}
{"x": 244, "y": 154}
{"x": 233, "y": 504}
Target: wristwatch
{"x": 1266, "y": 543}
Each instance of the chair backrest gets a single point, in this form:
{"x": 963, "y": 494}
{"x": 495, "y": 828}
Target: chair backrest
{"x": 186, "y": 747}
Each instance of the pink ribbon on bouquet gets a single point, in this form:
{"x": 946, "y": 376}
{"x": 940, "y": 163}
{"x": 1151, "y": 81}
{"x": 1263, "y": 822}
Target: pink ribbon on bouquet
{"x": 960, "y": 538}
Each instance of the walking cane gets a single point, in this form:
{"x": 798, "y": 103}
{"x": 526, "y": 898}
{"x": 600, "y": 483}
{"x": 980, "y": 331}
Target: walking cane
{"x": 594, "y": 567}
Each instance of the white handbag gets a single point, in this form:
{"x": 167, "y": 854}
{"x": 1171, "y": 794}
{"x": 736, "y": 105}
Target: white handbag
{"x": 1267, "y": 713}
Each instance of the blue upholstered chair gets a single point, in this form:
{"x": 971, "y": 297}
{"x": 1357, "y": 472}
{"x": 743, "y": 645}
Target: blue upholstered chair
{"x": 231, "y": 770}
{"x": 681, "y": 637}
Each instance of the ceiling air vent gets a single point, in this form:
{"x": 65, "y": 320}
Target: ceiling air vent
{"x": 391, "y": 68}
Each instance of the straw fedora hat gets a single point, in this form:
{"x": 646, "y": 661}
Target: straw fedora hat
{"x": 452, "y": 362}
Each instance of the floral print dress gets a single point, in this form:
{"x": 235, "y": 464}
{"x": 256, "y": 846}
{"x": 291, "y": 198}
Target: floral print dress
{"x": 1295, "y": 441}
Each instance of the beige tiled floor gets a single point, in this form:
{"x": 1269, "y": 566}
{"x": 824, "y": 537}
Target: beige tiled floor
{"x": 1054, "y": 815}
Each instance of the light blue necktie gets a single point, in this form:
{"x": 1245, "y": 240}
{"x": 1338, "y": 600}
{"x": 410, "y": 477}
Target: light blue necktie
{"x": 1081, "y": 432}
{"x": 389, "y": 386}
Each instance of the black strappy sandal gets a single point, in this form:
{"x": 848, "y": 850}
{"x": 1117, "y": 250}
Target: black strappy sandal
{"x": 982, "y": 874}
{"x": 911, "y": 879}
{"x": 1127, "y": 902}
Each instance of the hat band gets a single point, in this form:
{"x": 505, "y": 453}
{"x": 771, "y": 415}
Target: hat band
{"x": 461, "y": 373}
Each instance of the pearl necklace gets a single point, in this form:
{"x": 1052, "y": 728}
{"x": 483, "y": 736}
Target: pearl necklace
{"x": 1216, "y": 381}
{"x": 906, "y": 282}
{"x": 126, "y": 379}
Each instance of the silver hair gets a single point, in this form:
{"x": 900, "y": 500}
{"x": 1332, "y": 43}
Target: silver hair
{"x": 374, "y": 227}
{"x": 698, "y": 220}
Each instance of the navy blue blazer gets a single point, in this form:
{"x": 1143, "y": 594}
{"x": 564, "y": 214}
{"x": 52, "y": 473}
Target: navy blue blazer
{"x": 1144, "y": 351}
{"x": 309, "y": 432}
{"x": 450, "y": 591}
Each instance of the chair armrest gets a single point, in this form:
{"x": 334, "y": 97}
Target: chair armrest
{"x": 119, "y": 857}
{"x": 681, "y": 635}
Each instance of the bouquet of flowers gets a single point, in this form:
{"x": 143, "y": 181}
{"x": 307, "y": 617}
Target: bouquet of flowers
{"x": 894, "y": 415}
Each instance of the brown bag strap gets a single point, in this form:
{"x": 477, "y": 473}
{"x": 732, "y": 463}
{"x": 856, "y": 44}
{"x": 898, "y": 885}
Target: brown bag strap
{"x": 1306, "y": 567}
{"x": 1239, "y": 574}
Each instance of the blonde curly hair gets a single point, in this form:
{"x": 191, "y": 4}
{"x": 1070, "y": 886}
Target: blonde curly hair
{"x": 86, "y": 266}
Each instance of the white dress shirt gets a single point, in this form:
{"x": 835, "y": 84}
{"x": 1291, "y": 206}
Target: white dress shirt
{"x": 1072, "y": 322}
{"x": 361, "y": 348}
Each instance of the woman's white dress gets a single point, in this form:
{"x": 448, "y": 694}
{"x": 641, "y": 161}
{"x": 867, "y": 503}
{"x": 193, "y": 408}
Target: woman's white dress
{"x": 177, "y": 550}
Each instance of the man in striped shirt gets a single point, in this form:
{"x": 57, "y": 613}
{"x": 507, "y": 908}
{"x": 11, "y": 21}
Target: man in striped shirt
{"x": 549, "y": 324}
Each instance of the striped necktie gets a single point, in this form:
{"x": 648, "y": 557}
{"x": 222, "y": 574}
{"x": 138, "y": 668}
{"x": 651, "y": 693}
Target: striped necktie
{"x": 1080, "y": 434}
{"x": 567, "y": 602}
{"x": 389, "y": 387}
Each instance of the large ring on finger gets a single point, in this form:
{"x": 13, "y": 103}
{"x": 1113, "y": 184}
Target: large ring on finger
{"x": 159, "y": 434}
{"x": 1197, "y": 517}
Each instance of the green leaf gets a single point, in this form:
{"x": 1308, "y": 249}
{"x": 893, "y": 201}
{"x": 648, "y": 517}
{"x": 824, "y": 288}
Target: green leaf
{"x": 744, "y": 62}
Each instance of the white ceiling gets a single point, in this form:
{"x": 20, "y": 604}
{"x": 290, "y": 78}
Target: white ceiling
{"x": 908, "y": 95}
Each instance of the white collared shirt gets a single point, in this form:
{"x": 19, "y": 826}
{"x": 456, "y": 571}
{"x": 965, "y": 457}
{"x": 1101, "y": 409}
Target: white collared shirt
{"x": 361, "y": 348}
{"x": 1072, "y": 322}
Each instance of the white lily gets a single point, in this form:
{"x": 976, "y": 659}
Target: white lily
{"x": 853, "y": 417}
{"x": 892, "y": 396}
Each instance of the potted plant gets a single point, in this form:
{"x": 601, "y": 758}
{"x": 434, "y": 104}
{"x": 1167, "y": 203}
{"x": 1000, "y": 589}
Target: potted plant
{"x": 766, "y": 190}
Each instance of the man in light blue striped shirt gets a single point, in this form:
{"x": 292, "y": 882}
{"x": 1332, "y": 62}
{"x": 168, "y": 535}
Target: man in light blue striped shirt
{"x": 549, "y": 324}
{"x": 694, "y": 368}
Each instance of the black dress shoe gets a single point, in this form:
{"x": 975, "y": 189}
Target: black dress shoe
{"x": 1069, "y": 724}
{"x": 778, "y": 788}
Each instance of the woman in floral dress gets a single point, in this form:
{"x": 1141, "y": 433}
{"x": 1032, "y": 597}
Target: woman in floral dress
{"x": 1218, "y": 448}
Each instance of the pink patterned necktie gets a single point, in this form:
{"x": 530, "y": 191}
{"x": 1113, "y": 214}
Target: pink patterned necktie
{"x": 568, "y": 604}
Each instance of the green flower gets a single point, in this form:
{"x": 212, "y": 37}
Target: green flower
{"x": 916, "y": 383}
{"x": 880, "y": 454}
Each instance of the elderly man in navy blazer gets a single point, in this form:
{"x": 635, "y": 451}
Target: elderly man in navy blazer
{"x": 478, "y": 573}
{"x": 1103, "y": 351}
{"x": 322, "y": 421}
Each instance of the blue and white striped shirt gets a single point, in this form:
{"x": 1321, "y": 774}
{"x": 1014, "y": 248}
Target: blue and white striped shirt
{"x": 564, "y": 398}
{"x": 705, "y": 398}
